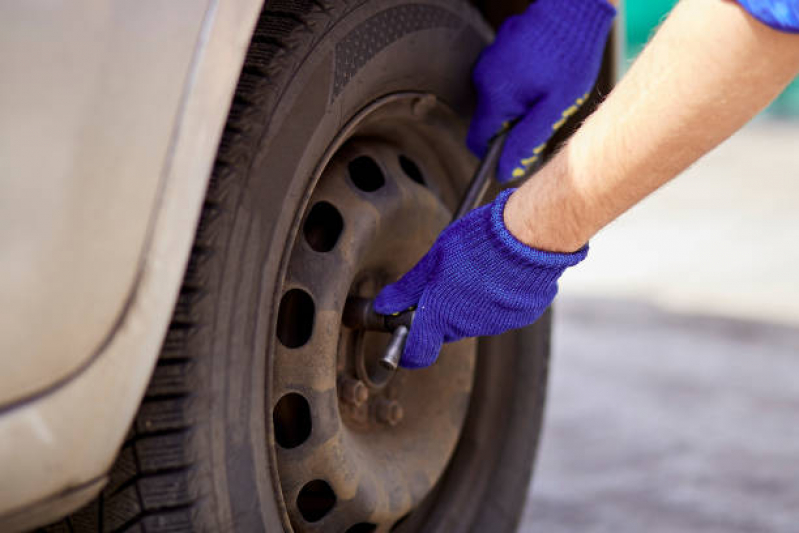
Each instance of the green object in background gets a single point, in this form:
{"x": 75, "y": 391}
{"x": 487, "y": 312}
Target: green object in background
{"x": 643, "y": 16}
{"x": 787, "y": 104}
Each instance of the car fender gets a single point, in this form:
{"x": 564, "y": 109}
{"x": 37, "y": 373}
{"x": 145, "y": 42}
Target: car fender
{"x": 111, "y": 124}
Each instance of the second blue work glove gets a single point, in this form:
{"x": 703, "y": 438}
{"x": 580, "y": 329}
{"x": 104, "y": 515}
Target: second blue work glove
{"x": 476, "y": 280}
{"x": 538, "y": 71}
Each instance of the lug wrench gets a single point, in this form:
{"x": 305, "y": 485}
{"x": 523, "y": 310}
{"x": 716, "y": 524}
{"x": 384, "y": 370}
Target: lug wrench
{"x": 359, "y": 312}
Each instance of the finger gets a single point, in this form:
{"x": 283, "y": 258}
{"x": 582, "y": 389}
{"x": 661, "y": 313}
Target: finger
{"x": 527, "y": 140}
{"x": 497, "y": 102}
{"x": 406, "y": 292}
{"x": 490, "y": 118}
{"x": 525, "y": 143}
{"x": 423, "y": 344}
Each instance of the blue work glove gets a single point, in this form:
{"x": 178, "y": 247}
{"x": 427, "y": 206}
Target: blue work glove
{"x": 782, "y": 15}
{"x": 476, "y": 280}
{"x": 539, "y": 71}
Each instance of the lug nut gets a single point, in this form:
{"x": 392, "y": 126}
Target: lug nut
{"x": 353, "y": 391}
{"x": 389, "y": 412}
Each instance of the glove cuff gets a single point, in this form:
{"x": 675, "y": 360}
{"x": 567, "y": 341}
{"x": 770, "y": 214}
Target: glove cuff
{"x": 572, "y": 26}
{"x": 522, "y": 254}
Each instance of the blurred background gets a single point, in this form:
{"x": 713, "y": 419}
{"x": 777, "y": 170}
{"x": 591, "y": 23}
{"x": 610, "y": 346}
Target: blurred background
{"x": 674, "y": 392}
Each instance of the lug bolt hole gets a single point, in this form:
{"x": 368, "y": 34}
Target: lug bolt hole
{"x": 315, "y": 500}
{"x": 292, "y": 420}
{"x": 295, "y": 318}
{"x": 412, "y": 170}
{"x": 323, "y": 227}
{"x": 363, "y": 527}
{"x": 366, "y": 174}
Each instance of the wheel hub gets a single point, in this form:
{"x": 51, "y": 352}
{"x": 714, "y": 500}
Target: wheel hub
{"x": 357, "y": 446}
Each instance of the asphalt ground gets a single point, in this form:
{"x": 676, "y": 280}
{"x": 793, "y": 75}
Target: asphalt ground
{"x": 663, "y": 422}
{"x": 674, "y": 389}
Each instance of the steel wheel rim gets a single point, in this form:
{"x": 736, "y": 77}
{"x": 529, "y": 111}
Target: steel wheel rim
{"x": 332, "y": 468}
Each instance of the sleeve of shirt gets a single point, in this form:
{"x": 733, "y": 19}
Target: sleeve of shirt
{"x": 781, "y": 15}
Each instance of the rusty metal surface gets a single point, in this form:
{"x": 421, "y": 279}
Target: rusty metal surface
{"x": 378, "y": 441}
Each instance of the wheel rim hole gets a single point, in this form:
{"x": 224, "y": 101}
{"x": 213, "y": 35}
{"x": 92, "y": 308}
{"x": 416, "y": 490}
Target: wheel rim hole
{"x": 365, "y": 174}
{"x": 292, "y": 420}
{"x": 363, "y": 527}
{"x": 295, "y": 318}
{"x": 412, "y": 170}
{"x": 315, "y": 500}
{"x": 323, "y": 227}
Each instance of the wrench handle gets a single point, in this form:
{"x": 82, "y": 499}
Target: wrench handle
{"x": 481, "y": 180}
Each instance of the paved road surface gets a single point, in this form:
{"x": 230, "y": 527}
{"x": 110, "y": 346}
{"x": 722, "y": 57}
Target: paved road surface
{"x": 683, "y": 421}
{"x": 664, "y": 423}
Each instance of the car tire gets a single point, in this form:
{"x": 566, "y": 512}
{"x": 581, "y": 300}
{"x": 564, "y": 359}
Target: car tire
{"x": 200, "y": 453}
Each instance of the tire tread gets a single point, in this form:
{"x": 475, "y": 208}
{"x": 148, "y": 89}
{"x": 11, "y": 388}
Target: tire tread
{"x": 149, "y": 487}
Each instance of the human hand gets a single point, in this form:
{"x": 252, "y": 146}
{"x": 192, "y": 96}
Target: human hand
{"x": 535, "y": 75}
{"x": 476, "y": 280}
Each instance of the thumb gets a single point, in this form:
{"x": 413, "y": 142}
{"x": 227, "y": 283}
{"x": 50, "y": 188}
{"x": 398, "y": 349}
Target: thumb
{"x": 406, "y": 292}
{"x": 526, "y": 141}
{"x": 423, "y": 344}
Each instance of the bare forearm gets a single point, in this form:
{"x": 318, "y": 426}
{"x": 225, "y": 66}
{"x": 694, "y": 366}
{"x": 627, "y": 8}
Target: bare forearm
{"x": 708, "y": 71}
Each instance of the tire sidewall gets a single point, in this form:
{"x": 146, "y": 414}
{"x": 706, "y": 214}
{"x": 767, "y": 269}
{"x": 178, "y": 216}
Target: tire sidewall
{"x": 306, "y": 109}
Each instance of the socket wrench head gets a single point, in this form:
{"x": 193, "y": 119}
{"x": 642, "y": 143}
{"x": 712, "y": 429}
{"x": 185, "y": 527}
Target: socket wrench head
{"x": 393, "y": 354}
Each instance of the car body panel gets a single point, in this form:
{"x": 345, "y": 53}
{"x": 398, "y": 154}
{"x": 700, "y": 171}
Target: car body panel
{"x": 128, "y": 211}
{"x": 90, "y": 97}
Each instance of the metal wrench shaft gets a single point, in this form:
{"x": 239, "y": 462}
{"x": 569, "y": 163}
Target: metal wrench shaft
{"x": 482, "y": 178}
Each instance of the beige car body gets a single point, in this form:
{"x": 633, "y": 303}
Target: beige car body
{"x": 111, "y": 114}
